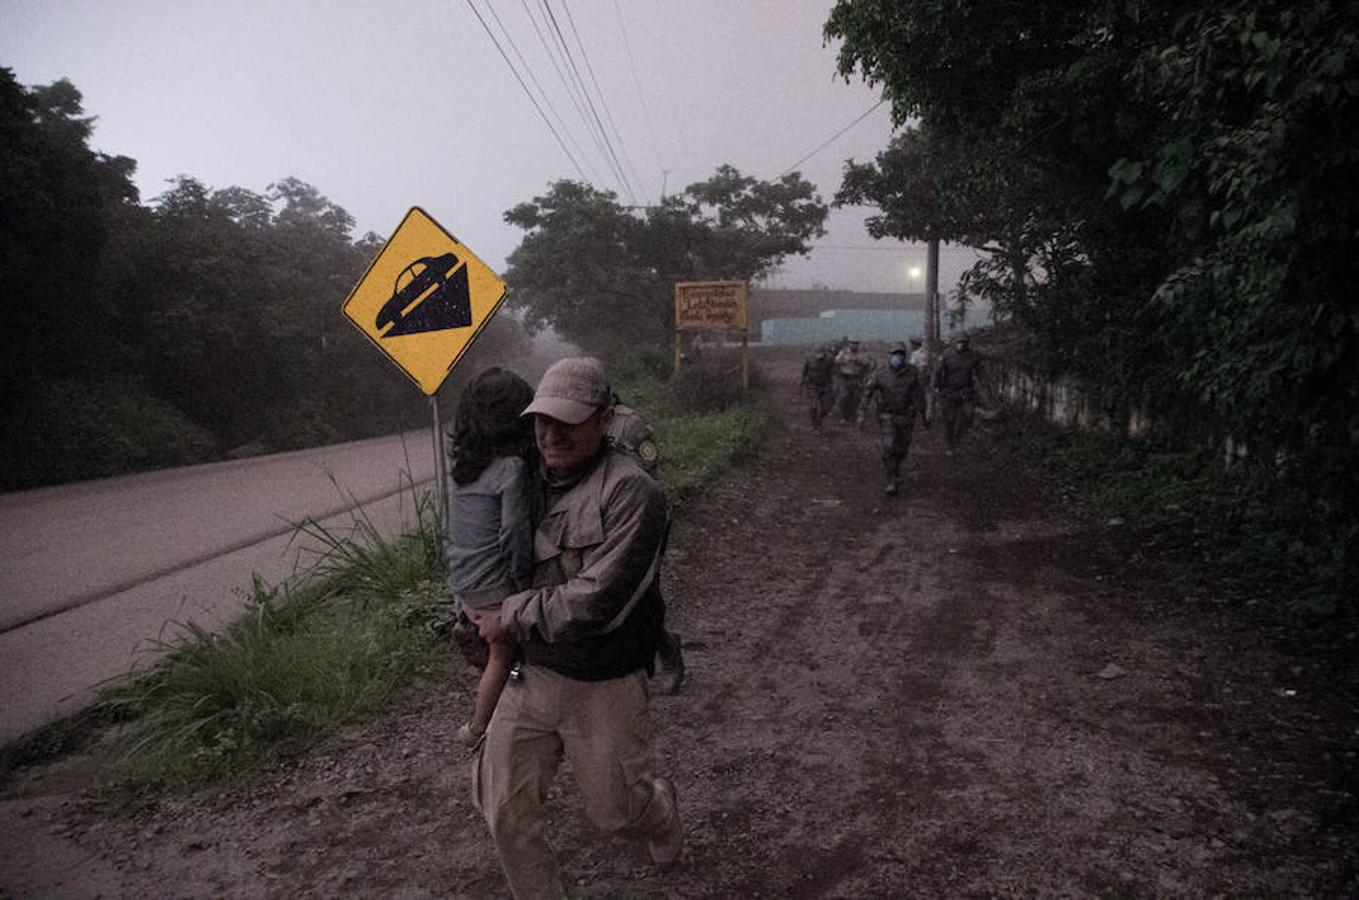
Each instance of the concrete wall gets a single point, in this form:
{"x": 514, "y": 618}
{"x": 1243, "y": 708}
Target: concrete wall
{"x": 1060, "y": 400}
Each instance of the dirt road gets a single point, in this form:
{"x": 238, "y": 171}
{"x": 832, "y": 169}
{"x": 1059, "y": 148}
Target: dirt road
{"x": 965, "y": 690}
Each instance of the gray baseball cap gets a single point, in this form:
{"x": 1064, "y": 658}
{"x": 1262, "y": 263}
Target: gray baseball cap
{"x": 571, "y": 390}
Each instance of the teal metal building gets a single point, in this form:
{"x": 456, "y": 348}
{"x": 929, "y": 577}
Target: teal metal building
{"x": 859, "y": 324}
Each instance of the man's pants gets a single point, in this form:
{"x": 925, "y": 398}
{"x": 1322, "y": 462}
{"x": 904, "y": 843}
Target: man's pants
{"x": 819, "y": 403}
{"x": 894, "y": 441}
{"x": 847, "y": 393}
{"x": 601, "y": 728}
{"x": 957, "y": 418}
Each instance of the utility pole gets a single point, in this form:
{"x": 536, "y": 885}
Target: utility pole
{"x": 932, "y": 300}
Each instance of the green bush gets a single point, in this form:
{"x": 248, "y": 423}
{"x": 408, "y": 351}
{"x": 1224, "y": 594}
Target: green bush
{"x": 77, "y": 429}
{"x": 1254, "y": 531}
{"x": 696, "y": 447}
{"x": 296, "y": 425}
{"x": 640, "y": 364}
{"x": 702, "y": 390}
{"x": 701, "y": 419}
{"x": 213, "y": 701}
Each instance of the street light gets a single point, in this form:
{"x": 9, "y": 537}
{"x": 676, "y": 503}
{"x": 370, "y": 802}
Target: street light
{"x": 914, "y": 272}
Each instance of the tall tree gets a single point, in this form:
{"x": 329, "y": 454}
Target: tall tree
{"x": 145, "y": 336}
{"x": 1024, "y": 109}
{"x": 1193, "y": 165}
{"x": 1257, "y": 159}
{"x": 603, "y": 275}
{"x": 57, "y": 200}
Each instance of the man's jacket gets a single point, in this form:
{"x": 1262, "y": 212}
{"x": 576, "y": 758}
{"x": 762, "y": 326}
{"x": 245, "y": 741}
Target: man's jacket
{"x": 594, "y": 611}
{"x": 817, "y": 371}
{"x": 956, "y": 377}
{"x": 898, "y": 392}
{"x": 852, "y": 365}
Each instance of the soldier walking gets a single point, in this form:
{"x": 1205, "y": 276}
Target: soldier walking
{"x": 920, "y": 358}
{"x": 955, "y": 384}
{"x": 899, "y": 392}
{"x": 818, "y": 383}
{"x": 851, "y": 368}
{"x": 919, "y": 355}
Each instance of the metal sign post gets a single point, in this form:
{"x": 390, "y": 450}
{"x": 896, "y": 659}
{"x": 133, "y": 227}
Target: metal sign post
{"x": 713, "y": 306}
{"x": 440, "y": 464}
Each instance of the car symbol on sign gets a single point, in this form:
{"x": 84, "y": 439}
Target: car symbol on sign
{"x": 433, "y": 297}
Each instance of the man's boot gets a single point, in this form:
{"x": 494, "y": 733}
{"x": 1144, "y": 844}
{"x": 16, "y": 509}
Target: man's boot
{"x": 670, "y": 664}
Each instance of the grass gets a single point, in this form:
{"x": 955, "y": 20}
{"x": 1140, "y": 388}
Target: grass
{"x": 699, "y": 447}
{"x": 702, "y": 420}
{"x": 340, "y": 635}
{"x": 315, "y": 650}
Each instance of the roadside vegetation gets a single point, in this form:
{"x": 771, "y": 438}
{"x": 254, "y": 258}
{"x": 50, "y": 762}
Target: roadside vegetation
{"x": 208, "y": 325}
{"x": 703, "y": 421}
{"x": 339, "y": 636}
{"x": 1163, "y": 196}
{"x": 1231, "y": 534}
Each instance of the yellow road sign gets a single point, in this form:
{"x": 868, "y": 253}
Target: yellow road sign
{"x": 424, "y": 300}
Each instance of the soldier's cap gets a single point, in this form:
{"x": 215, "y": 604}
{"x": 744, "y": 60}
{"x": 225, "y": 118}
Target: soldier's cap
{"x": 916, "y": 340}
{"x": 571, "y": 390}
{"x": 898, "y": 347}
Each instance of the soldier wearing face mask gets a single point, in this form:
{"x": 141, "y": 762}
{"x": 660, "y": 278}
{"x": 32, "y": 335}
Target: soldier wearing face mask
{"x": 899, "y": 392}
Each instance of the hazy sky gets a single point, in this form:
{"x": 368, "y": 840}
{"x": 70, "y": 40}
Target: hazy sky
{"x": 385, "y": 105}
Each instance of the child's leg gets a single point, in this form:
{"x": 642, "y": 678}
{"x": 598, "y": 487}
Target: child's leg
{"x": 498, "y": 663}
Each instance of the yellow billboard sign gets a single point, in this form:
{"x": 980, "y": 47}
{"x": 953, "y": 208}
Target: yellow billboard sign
{"x": 424, "y": 300}
{"x": 710, "y": 305}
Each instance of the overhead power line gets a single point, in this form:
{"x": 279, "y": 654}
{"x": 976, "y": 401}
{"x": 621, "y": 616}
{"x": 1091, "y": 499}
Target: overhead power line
{"x": 527, "y": 92}
{"x": 637, "y": 84}
{"x": 547, "y": 100}
{"x": 833, "y": 138}
{"x": 599, "y": 91}
{"x": 572, "y": 94}
{"x": 561, "y": 37}
{"x": 556, "y": 56}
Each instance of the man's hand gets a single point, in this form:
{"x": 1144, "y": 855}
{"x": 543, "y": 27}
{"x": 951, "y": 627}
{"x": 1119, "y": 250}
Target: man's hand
{"x": 488, "y": 624}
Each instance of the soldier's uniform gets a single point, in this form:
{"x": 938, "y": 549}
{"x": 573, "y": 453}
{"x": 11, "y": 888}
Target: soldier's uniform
{"x": 900, "y": 396}
{"x": 818, "y": 383}
{"x": 955, "y": 383}
{"x": 851, "y": 369}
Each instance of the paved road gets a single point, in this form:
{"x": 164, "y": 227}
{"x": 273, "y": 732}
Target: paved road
{"x": 90, "y": 571}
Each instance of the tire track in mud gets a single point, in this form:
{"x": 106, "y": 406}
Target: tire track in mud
{"x": 902, "y": 695}
{"x": 845, "y": 638}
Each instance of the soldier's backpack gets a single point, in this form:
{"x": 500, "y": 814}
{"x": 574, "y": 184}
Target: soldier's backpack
{"x": 631, "y": 434}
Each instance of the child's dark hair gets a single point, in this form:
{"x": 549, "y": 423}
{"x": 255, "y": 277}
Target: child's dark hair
{"x": 488, "y": 424}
